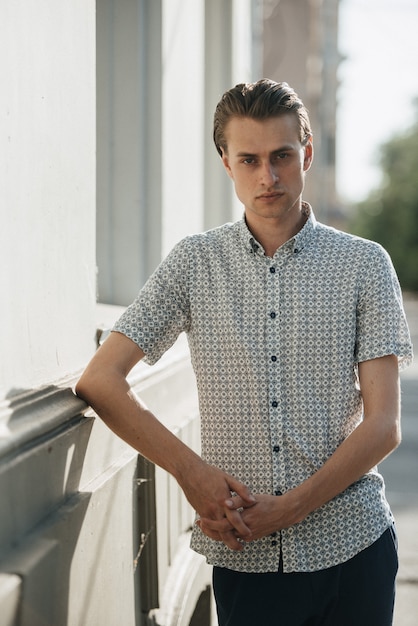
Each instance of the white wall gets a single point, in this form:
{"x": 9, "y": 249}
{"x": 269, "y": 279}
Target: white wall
{"x": 47, "y": 194}
{"x": 182, "y": 119}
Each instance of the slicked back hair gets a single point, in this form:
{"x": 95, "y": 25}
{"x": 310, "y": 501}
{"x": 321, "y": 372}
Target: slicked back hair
{"x": 259, "y": 101}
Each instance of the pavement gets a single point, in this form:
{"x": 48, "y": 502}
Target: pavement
{"x": 400, "y": 471}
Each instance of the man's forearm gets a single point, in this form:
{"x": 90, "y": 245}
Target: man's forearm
{"x": 205, "y": 486}
{"x": 126, "y": 415}
{"x": 363, "y": 449}
{"x": 374, "y": 438}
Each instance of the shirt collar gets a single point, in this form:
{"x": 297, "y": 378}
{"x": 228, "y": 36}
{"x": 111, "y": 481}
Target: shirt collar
{"x": 297, "y": 243}
{"x": 303, "y": 237}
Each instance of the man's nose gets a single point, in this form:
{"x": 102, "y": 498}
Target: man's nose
{"x": 269, "y": 174}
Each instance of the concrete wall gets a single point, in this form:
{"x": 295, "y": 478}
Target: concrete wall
{"x": 47, "y": 129}
{"x": 89, "y": 531}
{"x": 182, "y": 173}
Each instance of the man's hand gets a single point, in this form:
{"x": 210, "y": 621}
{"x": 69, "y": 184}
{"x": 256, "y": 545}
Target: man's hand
{"x": 269, "y": 514}
{"x": 207, "y": 488}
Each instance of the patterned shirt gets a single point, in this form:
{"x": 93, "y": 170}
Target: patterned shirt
{"x": 275, "y": 344}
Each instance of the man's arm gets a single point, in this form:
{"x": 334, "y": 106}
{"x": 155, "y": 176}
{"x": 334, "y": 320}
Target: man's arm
{"x": 376, "y": 437}
{"x": 104, "y": 387}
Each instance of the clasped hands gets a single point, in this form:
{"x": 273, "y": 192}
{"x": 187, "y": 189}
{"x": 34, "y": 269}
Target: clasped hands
{"x": 231, "y": 529}
{"x": 234, "y": 515}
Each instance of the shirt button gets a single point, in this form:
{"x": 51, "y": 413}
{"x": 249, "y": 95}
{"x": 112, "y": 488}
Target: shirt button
{"x": 272, "y": 270}
{"x": 278, "y": 492}
{"x": 274, "y": 404}
{"x": 274, "y": 358}
{"x": 272, "y": 315}
{"x": 274, "y": 543}
{"x": 276, "y": 448}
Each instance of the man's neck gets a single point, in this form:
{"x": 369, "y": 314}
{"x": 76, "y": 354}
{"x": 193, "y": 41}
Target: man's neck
{"x": 272, "y": 233}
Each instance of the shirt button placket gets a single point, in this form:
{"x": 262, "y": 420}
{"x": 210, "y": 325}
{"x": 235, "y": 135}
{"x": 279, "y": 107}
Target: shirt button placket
{"x": 272, "y": 341}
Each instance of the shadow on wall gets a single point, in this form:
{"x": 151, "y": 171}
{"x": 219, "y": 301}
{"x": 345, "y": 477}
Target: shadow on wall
{"x": 43, "y": 443}
{"x": 81, "y": 512}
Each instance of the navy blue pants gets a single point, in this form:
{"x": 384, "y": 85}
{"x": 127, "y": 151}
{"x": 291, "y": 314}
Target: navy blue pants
{"x": 359, "y": 592}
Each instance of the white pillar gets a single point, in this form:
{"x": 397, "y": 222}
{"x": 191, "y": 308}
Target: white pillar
{"x": 47, "y": 191}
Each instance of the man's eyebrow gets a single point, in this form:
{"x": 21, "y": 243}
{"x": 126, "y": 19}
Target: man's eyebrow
{"x": 284, "y": 148}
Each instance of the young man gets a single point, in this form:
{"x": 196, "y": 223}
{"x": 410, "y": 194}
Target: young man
{"x": 296, "y": 332}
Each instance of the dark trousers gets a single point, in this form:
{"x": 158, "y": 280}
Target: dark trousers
{"x": 359, "y": 592}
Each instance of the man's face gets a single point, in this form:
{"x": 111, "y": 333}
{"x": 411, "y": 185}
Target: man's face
{"x": 267, "y": 162}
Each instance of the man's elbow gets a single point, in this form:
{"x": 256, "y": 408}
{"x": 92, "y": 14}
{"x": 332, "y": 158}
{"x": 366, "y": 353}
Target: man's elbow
{"x": 90, "y": 386}
{"x": 393, "y": 437}
{"x": 84, "y": 387}
{"x": 397, "y": 436}
{"x": 100, "y": 383}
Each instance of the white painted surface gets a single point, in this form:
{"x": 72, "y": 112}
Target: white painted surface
{"x": 47, "y": 190}
{"x": 182, "y": 119}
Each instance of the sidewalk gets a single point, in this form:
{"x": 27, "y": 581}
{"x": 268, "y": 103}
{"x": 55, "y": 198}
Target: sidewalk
{"x": 406, "y": 606}
{"x": 401, "y": 476}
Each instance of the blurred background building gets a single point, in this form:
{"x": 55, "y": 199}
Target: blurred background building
{"x": 300, "y": 46}
{"x": 107, "y": 161}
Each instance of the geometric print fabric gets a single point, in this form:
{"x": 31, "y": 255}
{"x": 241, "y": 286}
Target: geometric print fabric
{"x": 275, "y": 344}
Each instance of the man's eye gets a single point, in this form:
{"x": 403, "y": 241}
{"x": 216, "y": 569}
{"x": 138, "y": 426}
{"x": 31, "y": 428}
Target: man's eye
{"x": 282, "y": 155}
{"x": 249, "y": 161}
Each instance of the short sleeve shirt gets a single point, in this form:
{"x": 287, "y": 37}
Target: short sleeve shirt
{"x": 275, "y": 343}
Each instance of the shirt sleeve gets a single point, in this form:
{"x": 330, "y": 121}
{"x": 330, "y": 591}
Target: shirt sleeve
{"x": 161, "y": 310}
{"x": 382, "y": 328}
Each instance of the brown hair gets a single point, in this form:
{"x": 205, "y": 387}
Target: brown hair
{"x": 259, "y": 100}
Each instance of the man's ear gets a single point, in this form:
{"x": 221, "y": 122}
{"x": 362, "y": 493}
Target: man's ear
{"x": 309, "y": 154}
{"x": 226, "y": 165}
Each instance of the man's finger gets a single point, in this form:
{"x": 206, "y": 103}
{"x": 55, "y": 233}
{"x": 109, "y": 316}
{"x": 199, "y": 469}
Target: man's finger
{"x": 232, "y": 542}
{"x": 215, "y": 525}
{"x": 232, "y": 522}
{"x": 239, "y": 504}
{"x": 235, "y": 519}
{"x": 242, "y": 491}
{"x": 227, "y": 537}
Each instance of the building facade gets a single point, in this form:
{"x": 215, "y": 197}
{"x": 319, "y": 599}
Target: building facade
{"x": 300, "y": 40}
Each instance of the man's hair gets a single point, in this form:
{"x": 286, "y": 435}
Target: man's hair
{"x": 259, "y": 101}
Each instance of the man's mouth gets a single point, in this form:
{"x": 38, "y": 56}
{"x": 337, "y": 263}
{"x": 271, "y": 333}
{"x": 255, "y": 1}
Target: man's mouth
{"x": 271, "y": 195}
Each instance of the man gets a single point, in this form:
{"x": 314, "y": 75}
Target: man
{"x": 296, "y": 331}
